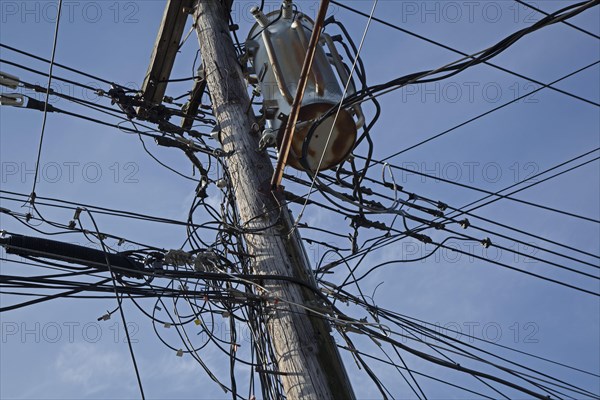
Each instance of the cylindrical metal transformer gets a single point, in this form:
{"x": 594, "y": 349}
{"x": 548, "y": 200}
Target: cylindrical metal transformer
{"x": 277, "y": 45}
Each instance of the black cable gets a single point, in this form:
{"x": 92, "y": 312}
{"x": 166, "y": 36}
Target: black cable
{"x": 542, "y": 181}
{"x": 431, "y": 377}
{"x": 518, "y": 270}
{"x": 45, "y": 110}
{"x": 532, "y": 178}
{"x": 51, "y": 297}
{"x": 55, "y": 77}
{"x": 447, "y": 131}
{"x": 501, "y": 196}
{"x": 25, "y": 53}
{"x": 564, "y": 22}
{"x": 396, "y": 27}
{"x": 120, "y": 305}
{"x": 434, "y": 334}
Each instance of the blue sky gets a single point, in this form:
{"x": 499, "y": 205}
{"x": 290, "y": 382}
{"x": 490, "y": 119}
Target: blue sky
{"x": 59, "y": 349}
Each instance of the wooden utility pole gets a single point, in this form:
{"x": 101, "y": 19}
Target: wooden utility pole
{"x": 307, "y": 358}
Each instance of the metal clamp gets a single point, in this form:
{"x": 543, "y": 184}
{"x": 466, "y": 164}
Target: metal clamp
{"x": 12, "y": 99}
{"x": 268, "y": 138}
{"x": 8, "y": 80}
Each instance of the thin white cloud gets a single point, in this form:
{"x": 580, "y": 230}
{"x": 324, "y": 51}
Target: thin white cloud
{"x": 91, "y": 367}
